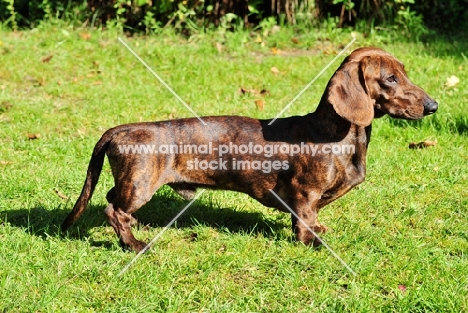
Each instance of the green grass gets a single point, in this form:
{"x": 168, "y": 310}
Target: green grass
{"x": 405, "y": 227}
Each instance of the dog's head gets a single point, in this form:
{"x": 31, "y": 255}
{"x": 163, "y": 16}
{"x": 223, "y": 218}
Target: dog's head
{"x": 371, "y": 83}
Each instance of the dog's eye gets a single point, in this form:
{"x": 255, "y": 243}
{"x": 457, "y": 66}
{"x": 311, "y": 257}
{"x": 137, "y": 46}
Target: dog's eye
{"x": 391, "y": 79}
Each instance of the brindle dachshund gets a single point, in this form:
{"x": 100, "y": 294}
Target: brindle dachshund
{"x": 369, "y": 84}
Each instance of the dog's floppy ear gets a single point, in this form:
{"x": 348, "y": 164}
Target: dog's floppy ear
{"x": 348, "y": 90}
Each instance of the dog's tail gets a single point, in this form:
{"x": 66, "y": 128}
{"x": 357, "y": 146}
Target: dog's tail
{"x": 92, "y": 177}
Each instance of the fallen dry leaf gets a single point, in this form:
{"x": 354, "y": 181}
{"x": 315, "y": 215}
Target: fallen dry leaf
{"x": 275, "y": 29}
{"x": 36, "y": 82}
{"x": 402, "y": 288}
{"x": 33, "y": 136}
{"x": 452, "y": 81}
{"x": 5, "y": 162}
{"x": 5, "y": 106}
{"x": 47, "y": 59}
{"x": 275, "y": 70}
{"x": 219, "y": 47}
{"x": 262, "y": 92}
{"x": 98, "y": 82}
{"x": 422, "y": 144}
{"x": 61, "y": 195}
{"x": 260, "y": 104}
{"x": 31, "y": 79}
{"x": 295, "y": 40}
{"x": 85, "y": 36}
{"x": 275, "y": 51}
{"x": 193, "y": 236}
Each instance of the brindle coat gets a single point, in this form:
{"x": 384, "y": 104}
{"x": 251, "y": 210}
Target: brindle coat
{"x": 369, "y": 83}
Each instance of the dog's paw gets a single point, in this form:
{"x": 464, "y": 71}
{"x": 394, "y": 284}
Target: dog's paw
{"x": 320, "y": 229}
{"x": 138, "y": 246}
{"x": 135, "y": 246}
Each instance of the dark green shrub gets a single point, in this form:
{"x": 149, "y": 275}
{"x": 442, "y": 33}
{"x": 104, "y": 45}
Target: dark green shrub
{"x": 411, "y": 17}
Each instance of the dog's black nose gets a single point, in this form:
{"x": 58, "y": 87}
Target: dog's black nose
{"x": 430, "y": 107}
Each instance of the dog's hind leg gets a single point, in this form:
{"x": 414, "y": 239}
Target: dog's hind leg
{"x": 121, "y": 223}
{"x": 111, "y": 198}
{"x": 123, "y": 201}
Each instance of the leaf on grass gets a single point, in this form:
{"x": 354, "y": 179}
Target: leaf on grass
{"x": 47, "y": 59}
{"x": 5, "y": 106}
{"x": 36, "y": 82}
{"x": 275, "y": 29}
{"x": 260, "y": 104}
{"x": 452, "y": 81}
{"x": 31, "y": 79}
{"x": 193, "y": 236}
{"x": 262, "y": 92}
{"x": 422, "y": 144}
{"x": 275, "y": 70}
{"x": 61, "y": 195}
{"x": 295, "y": 40}
{"x": 402, "y": 288}
{"x": 33, "y": 136}
{"x": 219, "y": 47}
{"x": 275, "y": 51}
{"x": 85, "y": 36}
{"x": 2, "y": 162}
{"x": 98, "y": 82}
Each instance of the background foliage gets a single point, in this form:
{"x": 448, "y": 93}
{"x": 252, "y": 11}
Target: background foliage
{"x": 410, "y": 16}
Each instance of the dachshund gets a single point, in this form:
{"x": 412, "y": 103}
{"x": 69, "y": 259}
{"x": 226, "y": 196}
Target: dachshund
{"x": 300, "y": 158}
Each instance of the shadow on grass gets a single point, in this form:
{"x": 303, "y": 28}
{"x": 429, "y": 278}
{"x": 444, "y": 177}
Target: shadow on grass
{"x": 39, "y": 221}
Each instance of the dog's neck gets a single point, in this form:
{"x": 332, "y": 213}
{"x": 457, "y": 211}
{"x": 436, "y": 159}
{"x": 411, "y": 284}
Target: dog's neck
{"x": 327, "y": 122}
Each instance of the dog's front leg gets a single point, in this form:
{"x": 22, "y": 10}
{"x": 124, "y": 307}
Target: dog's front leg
{"x": 307, "y": 210}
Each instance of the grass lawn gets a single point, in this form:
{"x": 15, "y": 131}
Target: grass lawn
{"x": 404, "y": 231}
